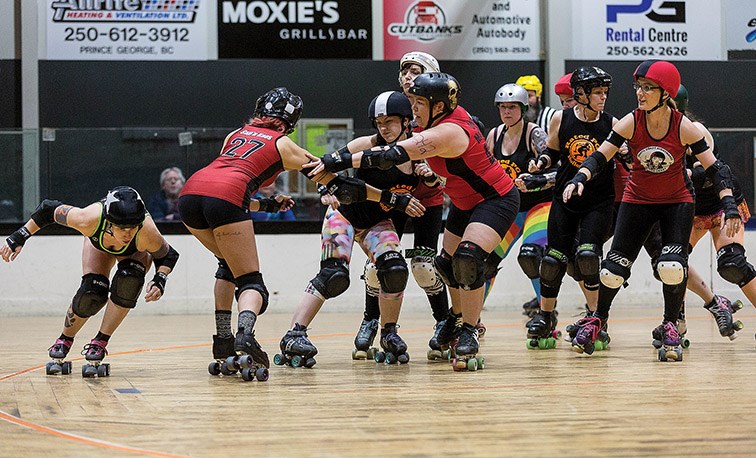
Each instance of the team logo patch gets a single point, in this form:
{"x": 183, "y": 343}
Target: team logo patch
{"x": 655, "y": 159}
{"x": 398, "y": 189}
{"x": 510, "y": 167}
{"x": 579, "y": 148}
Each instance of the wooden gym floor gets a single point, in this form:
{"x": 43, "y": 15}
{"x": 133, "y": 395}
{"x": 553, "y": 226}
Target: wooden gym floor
{"x": 161, "y": 401}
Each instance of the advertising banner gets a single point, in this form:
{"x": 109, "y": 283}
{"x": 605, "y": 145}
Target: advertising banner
{"x": 301, "y": 29}
{"x": 740, "y": 18}
{"x": 462, "y": 30}
{"x": 647, "y": 29}
{"x": 125, "y": 29}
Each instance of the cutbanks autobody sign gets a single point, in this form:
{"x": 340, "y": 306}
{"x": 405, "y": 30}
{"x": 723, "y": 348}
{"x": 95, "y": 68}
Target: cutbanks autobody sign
{"x": 304, "y": 29}
{"x": 462, "y": 30}
{"x": 125, "y": 29}
{"x": 647, "y": 29}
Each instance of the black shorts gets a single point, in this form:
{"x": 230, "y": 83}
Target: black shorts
{"x": 498, "y": 214}
{"x": 202, "y": 212}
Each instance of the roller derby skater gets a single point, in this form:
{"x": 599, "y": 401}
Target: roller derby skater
{"x": 94, "y": 352}
{"x": 223, "y": 339}
{"x": 363, "y": 341}
{"x": 394, "y": 349}
{"x": 120, "y": 234}
{"x": 722, "y": 309}
{"x": 542, "y": 332}
{"x": 466, "y": 350}
{"x": 296, "y": 349}
{"x": 58, "y": 352}
{"x": 444, "y": 337}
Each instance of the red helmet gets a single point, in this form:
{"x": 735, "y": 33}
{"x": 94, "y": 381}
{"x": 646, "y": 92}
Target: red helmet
{"x": 562, "y": 87}
{"x": 661, "y": 72}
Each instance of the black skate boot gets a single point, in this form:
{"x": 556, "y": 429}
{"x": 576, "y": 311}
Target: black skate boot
{"x": 446, "y": 332}
{"x": 296, "y": 349}
{"x": 721, "y": 308}
{"x": 466, "y": 350}
{"x": 542, "y": 332}
{"x": 589, "y": 334}
{"x": 250, "y": 359}
{"x": 223, "y": 347}
{"x": 94, "y": 352}
{"x": 531, "y": 307}
{"x": 58, "y": 353}
{"x": 394, "y": 348}
{"x": 668, "y": 338}
{"x": 363, "y": 341}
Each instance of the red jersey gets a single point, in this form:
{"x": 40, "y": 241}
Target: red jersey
{"x": 658, "y": 174}
{"x": 475, "y": 175}
{"x": 248, "y": 160}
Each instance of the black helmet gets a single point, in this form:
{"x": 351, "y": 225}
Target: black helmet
{"x": 390, "y": 103}
{"x": 124, "y": 207}
{"x": 282, "y": 104}
{"x": 681, "y": 100}
{"x": 437, "y": 87}
{"x": 588, "y": 78}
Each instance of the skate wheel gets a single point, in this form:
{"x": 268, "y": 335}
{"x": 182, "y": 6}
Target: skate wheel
{"x": 662, "y": 354}
{"x": 600, "y": 345}
{"x": 656, "y": 343}
{"x": 371, "y": 352}
{"x": 551, "y": 342}
{"x": 88, "y": 370}
{"x": 531, "y": 344}
{"x": 214, "y": 368}
{"x": 262, "y": 374}
{"x": 679, "y": 354}
{"x": 309, "y": 363}
{"x": 403, "y": 358}
{"x": 390, "y": 358}
{"x": 686, "y": 343}
{"x": 246, "y": 361}
{"x": 455, "y": 368}
{"x": 460, "y": 365}
{"x": 577, "y": 348}
{"x": 297, "y": 361}
{"x": 279, "y": 360}
{"x": 231, "y": 362}
{"x": 481, "y": 362}
{"x": 472, "y": 364}
{"x": 737, "y": 305}
{"x": 434, "y": 355}
{"x": 738, "y": 325}
{"x": 66, "y": 368}
{"x": 103, "y": 370}
{"x": 225, "y": 370}
{"x": 380, "y": 357}
{"x": 52, "y": 368}
{"x": 247, "y": 374}
{"x": 359, "y": 354}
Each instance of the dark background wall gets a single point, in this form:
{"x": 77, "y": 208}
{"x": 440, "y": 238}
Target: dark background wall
{"x": 10, "y": 94}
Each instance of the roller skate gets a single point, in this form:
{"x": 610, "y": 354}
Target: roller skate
{"x": 481, "y": 329}
{"x": 466, "y": 351}
{"x": 94, "y": 352}
{"x": 667, "y": 337}
{"x": 588, "y": 335}
{"x": 542, "y": 332}
{"x": 363, "y": 341}
{"x": 58, "y": 353}
{"x": 296, "y": 349}
{"x": 531, "y": 307}
{"x": 446, "y": 332}
{"x": 250, "y": 359}
{"x": 223, "y": 347}
{"x": 602, "y": 340}
{"x": 394, "y": 348}
{"x": 722, "y": 309}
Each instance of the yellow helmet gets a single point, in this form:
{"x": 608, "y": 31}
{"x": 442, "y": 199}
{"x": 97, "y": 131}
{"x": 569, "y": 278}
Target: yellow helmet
{"x": 531, "y": 83}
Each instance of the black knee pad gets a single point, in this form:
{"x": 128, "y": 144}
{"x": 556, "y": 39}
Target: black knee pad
{"x": 492, "y": 266}
{"x": 252, "y": 280}
{"x": 553, "y": 268}
{"x": 392, "y": 272}
{"x": 332, "y": 279}
{"x": 224, "y": 272}
{"x": 615, "y": 270}
{"x": 672, "y": 265}
{"x": 443, "y": 265}
{"x": 127, "y": 283}
{"x": 91, "y": 296}
{"x": 529, "y": 259}
{"x": 733, "y": 266}
{"x": 588, "y": 263}
{"x": 469, "y": 265}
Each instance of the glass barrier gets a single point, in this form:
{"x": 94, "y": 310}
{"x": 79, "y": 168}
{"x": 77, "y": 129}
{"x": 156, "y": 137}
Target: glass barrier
{"x": 79, "y": 165}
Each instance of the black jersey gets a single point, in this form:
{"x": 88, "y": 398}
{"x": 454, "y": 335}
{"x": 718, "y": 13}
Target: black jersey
{"x": 517, "y": 164}
{"x": 102, "y": 228}
{"x": 707, "y": 197}
{"x": 577, "y": 141}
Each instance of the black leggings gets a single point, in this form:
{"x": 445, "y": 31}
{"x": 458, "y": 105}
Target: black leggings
{"x": 567, "y": 230}
{"x": 634, "y": 224}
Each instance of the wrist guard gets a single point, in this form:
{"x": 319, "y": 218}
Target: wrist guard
{"x": 543, "y": 162}
{"x": 347, "y": 190}
{"x": 535, "y": 182}
{"x": 594, "y": 163}
{"x": 159, "y": 281}
{"x": 395, "y": 201}
{"x": 384, "y": 159}
{"x": 169, "y": 260}
{"x": 18, "y": 238}
{"x": 269, "y": 205}
{"x": 730, "y": 207}
{"x": 338, "y": 160}
{"x": 579, "y": 178}
{"x": 44, "y": 215}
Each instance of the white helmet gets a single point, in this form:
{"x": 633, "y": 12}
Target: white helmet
{"x": 423, "y": 59}
{"x": 512, "y": 93}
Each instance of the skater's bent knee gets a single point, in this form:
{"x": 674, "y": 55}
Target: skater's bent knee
{"x": 91, "y": 296}
{"x": 127, "y": 283}
{"x": 253, "y": 281}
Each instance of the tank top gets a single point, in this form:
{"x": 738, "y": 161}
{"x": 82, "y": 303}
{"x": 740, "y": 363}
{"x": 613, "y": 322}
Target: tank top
{"x": 658, "y": 174}
{"x": 249, "y": 159}
{"x": 475, "y": 175}
{"x": 578, "y": 140}
{"x": 516, "y": 164}
{"x": 102, "y": 226}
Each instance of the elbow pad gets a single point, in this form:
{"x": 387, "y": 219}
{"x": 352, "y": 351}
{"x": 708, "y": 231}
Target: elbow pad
{"x": 347, "y": 189}
{"x": 44, "y": 215}
{"x": 169, "y": 260}
{"x": 384, "y": 159}
{"x": 720, "y": 174}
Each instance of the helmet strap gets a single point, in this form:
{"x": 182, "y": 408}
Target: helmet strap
{"x": 662, "y": 102}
